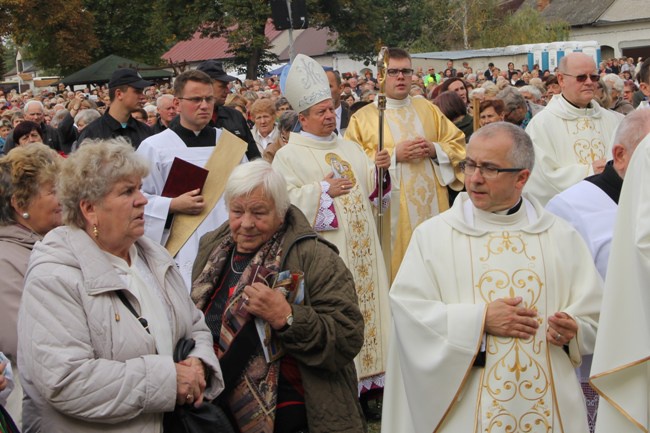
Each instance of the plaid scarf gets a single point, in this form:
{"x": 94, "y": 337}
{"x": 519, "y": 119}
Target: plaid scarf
{"x": 252, "y": 395}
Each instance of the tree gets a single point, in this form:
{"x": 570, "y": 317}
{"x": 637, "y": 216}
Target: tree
{"x": 526, "y": 26}
{"x": 59, "y": 36}
{"x": 457, "y": 24}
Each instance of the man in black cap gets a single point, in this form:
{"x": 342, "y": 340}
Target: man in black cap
{"x": 226, "y": 117}
{"x": 125, "y": 89}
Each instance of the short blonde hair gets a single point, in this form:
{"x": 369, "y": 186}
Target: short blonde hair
{"x": 263, "y": 105}
{"x": 91, "y": 172}
{"x": 23, "y": 172}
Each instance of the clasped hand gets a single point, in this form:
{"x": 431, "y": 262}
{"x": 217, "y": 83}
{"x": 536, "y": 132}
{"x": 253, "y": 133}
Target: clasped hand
{"x": 418, "y": 148}
{"x": 507, "y": 318}
{"x": 267, "y": 304}
{"x": 190, "y": 381}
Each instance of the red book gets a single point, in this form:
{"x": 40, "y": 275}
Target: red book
{"x": 183, "y": 177}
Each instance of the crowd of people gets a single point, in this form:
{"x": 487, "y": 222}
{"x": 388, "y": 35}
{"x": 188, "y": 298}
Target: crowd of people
{"x": 266, "y": 251}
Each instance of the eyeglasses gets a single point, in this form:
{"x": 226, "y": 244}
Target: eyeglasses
{"x": 395, "y": 72}
{"x": 488, "y": 172}
{"x": 196, "y": 100}
{"x": 583, "y": 77}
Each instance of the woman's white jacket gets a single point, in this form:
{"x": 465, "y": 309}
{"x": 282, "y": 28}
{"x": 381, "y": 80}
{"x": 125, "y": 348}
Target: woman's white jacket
{"x": 85, "y": 360}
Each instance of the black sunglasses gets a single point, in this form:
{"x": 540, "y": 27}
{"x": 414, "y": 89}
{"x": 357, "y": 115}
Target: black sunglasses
{"x": 583, "y": 77}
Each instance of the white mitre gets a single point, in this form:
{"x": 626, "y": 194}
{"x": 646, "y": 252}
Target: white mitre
{"x": 306, "y": 84}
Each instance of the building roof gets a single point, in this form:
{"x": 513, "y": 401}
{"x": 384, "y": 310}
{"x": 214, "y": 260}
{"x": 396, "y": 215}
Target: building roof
{"x": 576, "y": 13}
{"x": 201, "y": 48}
{"x": 626, "y": 10}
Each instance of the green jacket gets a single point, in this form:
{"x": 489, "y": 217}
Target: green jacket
{"x": 327, "y": 331}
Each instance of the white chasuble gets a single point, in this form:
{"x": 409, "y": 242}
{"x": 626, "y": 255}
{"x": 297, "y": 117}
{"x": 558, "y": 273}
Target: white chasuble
{"x": 419, "y": 187}
{"x": 621, "y": 366}
{"x": 304, "y": 162}
{"x": 567, "y": 141}
{"x": 456, "y": 264}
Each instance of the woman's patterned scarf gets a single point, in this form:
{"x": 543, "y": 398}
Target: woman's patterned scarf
{"x": 252, "y": 398}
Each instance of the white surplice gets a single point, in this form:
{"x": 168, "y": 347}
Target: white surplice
{"x": 455, "y": 264}
{"x": 160, "y": 150}
{"x": 620, "y": 371}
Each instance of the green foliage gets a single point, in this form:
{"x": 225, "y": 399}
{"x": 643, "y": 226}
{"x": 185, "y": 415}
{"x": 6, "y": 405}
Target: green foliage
{"x": 526, "y": 26}
{"x": 69, "y": 34}
{"x": 59, "y": 36}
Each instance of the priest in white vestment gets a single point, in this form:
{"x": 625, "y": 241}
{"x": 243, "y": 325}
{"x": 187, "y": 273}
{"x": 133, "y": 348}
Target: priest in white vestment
{"x": 194, "y": 141}
{"x": 590, "y": 206}
{"x": 573, "y": 134}
{"x": 620, "y": 371}
{"x": 493, "y": 307}
{"x": 332, "y": 182}
{"x": 425, "y": 148}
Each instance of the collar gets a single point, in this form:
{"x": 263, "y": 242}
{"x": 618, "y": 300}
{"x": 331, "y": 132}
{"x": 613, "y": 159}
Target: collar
{"x": 609, "y": 181}
{"x": 316, "y": 137}
{"x": 574, "y": 105}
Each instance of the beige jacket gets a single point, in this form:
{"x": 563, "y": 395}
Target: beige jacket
{"x": 84, "y": 359}
{"x": 16, "y": 245}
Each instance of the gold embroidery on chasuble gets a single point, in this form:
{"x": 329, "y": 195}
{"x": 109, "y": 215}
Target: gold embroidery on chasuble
{"x": 516, "y": 392}
{"x": 588, "y": 146}
{"x": 353, "y": 210}
{"x": 418, "y": 186}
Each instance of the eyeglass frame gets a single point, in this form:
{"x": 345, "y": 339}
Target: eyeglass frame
{"x": 583, "y": 77}
{"x": 197, "y": 100}
{"x": 481, "y": 169}
{"x": 394, "y": 72}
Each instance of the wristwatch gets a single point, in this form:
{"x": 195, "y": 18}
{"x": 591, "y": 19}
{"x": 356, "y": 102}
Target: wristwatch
{"x": 288, "y": 324}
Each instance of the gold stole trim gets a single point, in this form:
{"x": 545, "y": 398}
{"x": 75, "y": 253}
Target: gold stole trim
{"x": 615, "y": 405}
{"x": 226, "y": 155}
{"x": 418, "y": 180}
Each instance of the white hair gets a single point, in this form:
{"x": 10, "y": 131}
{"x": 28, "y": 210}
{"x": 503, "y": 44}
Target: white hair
{"x": 615, "y": 82}
{"x": 246, "y": 177}
{"x": 533, "y": 90}
{"x": 150, "y": 109}
{"x": 161, "y": 98}
{"x": 34, "y": 102}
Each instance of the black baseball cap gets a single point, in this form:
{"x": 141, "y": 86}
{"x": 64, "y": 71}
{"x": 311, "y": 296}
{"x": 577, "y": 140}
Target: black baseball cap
{"x": 130, "y": 77}
{"x": 215, "y": 70}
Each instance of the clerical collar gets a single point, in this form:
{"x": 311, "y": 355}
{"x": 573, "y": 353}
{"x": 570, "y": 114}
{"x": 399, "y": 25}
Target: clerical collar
{"x": 574, "y": 105}
{"x": 512, "y": 210}
{"x": 396, "y": 103}
{"x": 316, "y": 137}
{"x": 609, "y": 181}
{"x": 204, "y": 138}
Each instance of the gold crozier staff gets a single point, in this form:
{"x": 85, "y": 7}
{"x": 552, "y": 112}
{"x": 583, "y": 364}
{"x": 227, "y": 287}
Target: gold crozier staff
{"x": 382, "y": 65}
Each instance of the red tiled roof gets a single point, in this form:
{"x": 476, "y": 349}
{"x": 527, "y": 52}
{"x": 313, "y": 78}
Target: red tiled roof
{"x": 200, "y": 48}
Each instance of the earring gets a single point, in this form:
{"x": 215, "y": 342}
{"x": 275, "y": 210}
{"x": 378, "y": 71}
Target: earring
{"x": 95, "y": 231}
{"x": 25, "y": 215}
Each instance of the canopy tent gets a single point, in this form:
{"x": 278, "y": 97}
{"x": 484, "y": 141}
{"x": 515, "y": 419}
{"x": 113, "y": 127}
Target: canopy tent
{"x": 100, "y": 71}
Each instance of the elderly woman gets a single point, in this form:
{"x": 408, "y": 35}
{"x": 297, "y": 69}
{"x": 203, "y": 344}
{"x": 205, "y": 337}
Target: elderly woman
{"x": 103, "y": 308}
{"x": 271, "y": 288}
{"x": 28, "y": 210}
{"x": 286, "y": 124}
{"x": 265, "y": 131}
{"x": 27, "y": 132}
{"x": 490, "y": 111}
